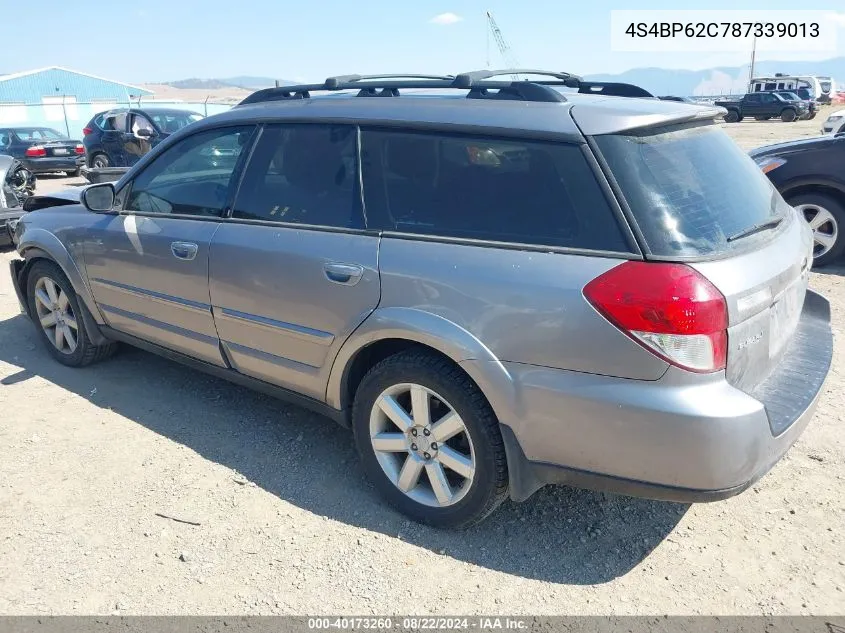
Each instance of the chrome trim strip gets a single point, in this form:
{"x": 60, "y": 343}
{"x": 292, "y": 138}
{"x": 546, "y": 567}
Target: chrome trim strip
{"x": 159, "y": 297}
{"x": 291, "y": 329}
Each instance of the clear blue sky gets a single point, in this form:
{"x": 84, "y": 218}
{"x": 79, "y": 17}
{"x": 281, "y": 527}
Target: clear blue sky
{"x": 162, "y": 40}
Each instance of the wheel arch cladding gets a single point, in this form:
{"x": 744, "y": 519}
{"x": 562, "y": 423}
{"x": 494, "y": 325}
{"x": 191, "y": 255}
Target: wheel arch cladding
{"x": 53, "y": 251}
{"x": 391, "y": 330}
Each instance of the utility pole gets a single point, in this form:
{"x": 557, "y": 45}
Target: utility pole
{"x": 751, "y": 70}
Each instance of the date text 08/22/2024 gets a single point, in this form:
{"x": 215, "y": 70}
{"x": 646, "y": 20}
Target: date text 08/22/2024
{"x": 417, "y": 623}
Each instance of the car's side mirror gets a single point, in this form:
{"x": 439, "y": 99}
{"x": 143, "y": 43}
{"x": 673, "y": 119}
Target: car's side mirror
{"x": 98, "y": 198}
{"x": 144, "y": 132}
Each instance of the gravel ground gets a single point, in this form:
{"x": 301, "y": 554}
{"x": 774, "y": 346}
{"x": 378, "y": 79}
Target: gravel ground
{"x": 94, "y": 462}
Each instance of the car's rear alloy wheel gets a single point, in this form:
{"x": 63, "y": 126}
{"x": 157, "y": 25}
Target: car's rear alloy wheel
{"x": 429, "y": 440}
{"x": 422, "y": 445}
{"x": 55, "y": 315}
{"x": 824, "y": 215}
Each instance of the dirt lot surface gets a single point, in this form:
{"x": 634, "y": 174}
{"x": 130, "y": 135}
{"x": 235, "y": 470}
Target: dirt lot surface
{"x": 92, "y": 458}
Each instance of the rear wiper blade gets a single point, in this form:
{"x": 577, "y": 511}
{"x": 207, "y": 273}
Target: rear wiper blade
{"x": 769, "y": 224}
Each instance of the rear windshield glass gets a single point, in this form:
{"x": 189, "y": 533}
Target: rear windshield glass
{"x": 691, "y": 189}
{"x": 37, "y": 134}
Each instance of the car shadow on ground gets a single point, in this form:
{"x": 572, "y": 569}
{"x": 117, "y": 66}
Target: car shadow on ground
{"x": 560, "y": 535}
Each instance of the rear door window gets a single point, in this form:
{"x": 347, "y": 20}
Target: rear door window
{"x": 691, "y": 190}
{"x": 486, "y": 188}
{"x": 303, "y": 174}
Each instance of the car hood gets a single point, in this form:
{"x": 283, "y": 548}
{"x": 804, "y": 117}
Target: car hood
{"x": 792, "y": 146}
{"x": 836, "y": 113}
{"x": 55, "y": 199}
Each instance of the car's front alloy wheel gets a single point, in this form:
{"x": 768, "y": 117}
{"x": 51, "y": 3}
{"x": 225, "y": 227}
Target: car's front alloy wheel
{"x": 56, "y": 312}
{"x": 55, "y": 315}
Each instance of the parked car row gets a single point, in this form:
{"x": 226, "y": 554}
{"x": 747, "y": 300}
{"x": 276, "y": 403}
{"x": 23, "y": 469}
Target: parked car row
{"x": 42, "y": 150}
{"x": 120, "y": 137}
{"x": 785, "y": 105}
{"x": 458, "y": 282}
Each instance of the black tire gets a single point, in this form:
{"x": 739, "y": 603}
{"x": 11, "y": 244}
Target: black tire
{"x": 86, "y": 352}
{"x": 489, "y": 485}
{"x": 75, "y": 173}
{"x": 732, "y": 116}
{"x": 837, "y": 210}
{"x": 100, "y": 161}
{"x": 788, "y": 115}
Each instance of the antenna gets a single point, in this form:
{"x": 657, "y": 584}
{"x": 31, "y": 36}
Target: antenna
{"x": 751, "y": 69}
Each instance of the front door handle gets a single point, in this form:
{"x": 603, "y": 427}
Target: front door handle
{"x": 345, "y": 274}
{"x": 184, "y": 250}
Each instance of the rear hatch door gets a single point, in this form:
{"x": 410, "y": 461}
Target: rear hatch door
{"x": 694, "y": 196}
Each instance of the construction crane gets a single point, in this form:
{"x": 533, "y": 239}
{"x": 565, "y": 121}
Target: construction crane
{"x": 504, "y": 49}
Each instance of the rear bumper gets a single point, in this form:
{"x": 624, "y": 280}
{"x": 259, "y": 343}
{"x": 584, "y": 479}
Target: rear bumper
{"x": 670, "y": 439}
{"x": 47, "y": 165}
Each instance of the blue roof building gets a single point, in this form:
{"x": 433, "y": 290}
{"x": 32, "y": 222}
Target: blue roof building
{"x": 33, "y": 86}
{"x": 62, "y": 99}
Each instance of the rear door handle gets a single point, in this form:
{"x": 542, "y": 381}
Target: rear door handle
{"x": 184, "y": 250}
{"x": 345, "y": 274}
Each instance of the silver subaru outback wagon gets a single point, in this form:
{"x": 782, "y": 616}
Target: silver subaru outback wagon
{"x": 497, "y": 285}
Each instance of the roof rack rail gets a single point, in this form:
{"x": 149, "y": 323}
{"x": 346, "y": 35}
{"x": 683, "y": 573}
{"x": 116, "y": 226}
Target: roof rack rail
{"x": 345, "y": 79}
{"x": 468, "y": 79}
{"x": 480, "y": 84}
{"x": 612, "y": 89}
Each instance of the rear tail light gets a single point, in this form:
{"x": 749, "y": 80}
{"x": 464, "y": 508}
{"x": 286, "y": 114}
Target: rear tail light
{"x": 670, "y": 309}
{"x": 36, "y": 151}
{"x": 87, "y": 130}
{"x": 80, "y": 149}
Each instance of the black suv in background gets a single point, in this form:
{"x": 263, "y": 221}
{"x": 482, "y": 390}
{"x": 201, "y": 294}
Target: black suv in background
{"x": 809, "y": 175}
{"x": 119, "y": 137}
{"x": 763, "y": 106}
{"x": 803, "y": 95}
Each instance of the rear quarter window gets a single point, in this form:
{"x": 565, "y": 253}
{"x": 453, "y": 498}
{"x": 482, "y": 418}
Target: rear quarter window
{"x": 690, "y": 189}
{"x": 486, "y": 188}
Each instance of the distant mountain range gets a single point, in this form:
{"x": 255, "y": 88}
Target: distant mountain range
{"x": 658, "y": 81}
{"x": 722, "y": 80}
{"x": 246, "y": 82}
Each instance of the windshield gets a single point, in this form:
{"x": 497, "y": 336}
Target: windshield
{"x": 690, "y": 189}
{"x": 38, "y": 134}
{"x": 170, "y": 122}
